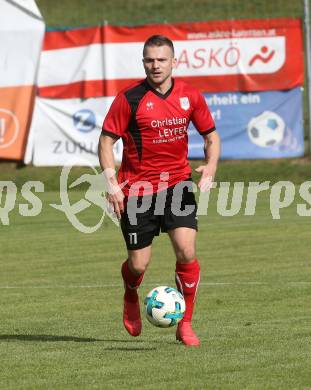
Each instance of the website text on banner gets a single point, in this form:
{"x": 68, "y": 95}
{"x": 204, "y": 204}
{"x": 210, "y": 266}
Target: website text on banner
{"x": 21, "y": 35}
{"x": 248, "y": 55}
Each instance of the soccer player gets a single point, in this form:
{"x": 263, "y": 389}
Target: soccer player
{"x": 152, "y": 117}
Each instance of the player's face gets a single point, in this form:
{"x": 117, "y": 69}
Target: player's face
{"x": 158, "y": 63}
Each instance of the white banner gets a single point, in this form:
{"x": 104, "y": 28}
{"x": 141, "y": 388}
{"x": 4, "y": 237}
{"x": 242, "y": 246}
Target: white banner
{"x": 66, "y": 132}
{"x": 21, "y": 36}
{"x": 201, "y": 58}
{"x": 81, "y": 63}
{"x": 194, "y": 58}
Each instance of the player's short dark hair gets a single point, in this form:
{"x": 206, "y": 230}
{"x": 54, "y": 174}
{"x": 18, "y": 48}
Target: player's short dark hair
{"x": 158, "y": 40}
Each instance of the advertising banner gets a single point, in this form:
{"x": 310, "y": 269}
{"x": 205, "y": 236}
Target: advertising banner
{"x": 21, "y": 35}
{"x": 255, "y": 125}
{"x": 251, "y": 125}
{"x": 81, "y": 70}
{"x": 245, "y": 55}
{"x": 66, "y": 132}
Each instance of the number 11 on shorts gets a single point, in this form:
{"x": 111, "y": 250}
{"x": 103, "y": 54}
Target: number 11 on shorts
{"x": 133, "y": 238}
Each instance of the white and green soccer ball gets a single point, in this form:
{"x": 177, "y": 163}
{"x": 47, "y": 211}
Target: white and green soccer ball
{"x": 266, "y": 130}
{"x": 165, "y": 306}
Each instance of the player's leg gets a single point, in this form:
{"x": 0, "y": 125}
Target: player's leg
{"x": 187, "y": 266}
{"x": 187, "y": 278}
{"x": 138, "y": 239}
{"x": 133, "y": 270}
{"x": 180, "y": 221}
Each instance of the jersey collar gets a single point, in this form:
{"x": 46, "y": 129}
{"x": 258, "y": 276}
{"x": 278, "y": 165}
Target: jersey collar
{"x": 162, "y": 96}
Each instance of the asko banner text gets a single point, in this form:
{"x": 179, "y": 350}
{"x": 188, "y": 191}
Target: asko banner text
{"x": 246, "y": 55}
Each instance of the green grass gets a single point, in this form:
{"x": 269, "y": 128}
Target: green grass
{"x": 61, "y": 303}
{"x": 78, "y": 12}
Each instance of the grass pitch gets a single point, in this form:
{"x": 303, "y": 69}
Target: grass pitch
{"x": 132, "y": 12}
{"x": 61, "y": 305}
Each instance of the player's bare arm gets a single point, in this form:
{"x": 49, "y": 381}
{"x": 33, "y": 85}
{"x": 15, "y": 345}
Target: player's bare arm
{"x": 212, "y": 153}
{"x": 115, "y": 195}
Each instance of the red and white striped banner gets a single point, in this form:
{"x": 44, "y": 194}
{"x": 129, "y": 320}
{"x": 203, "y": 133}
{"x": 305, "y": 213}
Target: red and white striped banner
{"x": 248, "y": 55}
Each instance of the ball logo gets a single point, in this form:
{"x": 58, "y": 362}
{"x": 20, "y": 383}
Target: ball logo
{"x": 9, "y": 128}
{"x": 266, "y": 130}
{"x": 84, "y": 120}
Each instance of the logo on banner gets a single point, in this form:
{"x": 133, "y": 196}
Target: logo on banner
{"x": 264, "y": 56}
{"x": 266, "y": 130}
{"x": 184, "y": 103}
{"x": 84, "y": 120}
{"x": 9, "y": 128}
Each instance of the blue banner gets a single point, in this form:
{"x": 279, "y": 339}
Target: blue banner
{"x": 255, "y": 125}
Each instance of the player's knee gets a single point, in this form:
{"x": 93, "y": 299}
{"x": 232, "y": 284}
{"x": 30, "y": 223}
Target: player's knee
{"x": 186, "y": 254}
{"x": 138, "y": 265}
{"x": 140, "y": 268}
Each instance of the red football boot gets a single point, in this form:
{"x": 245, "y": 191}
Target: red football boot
{"x": 186, "y": 335}
{"x": 131, "y": 316}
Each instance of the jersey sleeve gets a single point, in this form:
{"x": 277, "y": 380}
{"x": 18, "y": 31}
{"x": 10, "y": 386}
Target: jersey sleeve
{"x": 201, "y": 116}
{"x": 118, "y": 117}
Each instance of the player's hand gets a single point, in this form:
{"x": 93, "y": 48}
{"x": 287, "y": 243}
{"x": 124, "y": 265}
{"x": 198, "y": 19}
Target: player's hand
{"x": 116, "y": 200}
{"x": 114, "y": 193}
{"x": 207, "y": 176}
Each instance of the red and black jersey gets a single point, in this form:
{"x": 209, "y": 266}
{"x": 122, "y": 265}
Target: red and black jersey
{"x": 154, "y": 130}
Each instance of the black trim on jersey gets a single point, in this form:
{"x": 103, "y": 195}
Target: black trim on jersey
{"x": 208, "y": 131}
{"x": 134, "y": 96}
{"x": 112, "y": 135}
{"x": 159, "y": 94}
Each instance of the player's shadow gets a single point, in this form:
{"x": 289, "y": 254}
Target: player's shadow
{"x": 126, "y": 347}
{"x": 46, "y": 338}
{"x": 130, "y": 349}
{"x": 134, "y": 344}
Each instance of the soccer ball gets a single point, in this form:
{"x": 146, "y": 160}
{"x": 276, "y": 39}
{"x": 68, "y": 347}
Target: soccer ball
{"x": 165, "y": 306}
{"x": 266, "y": 129}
